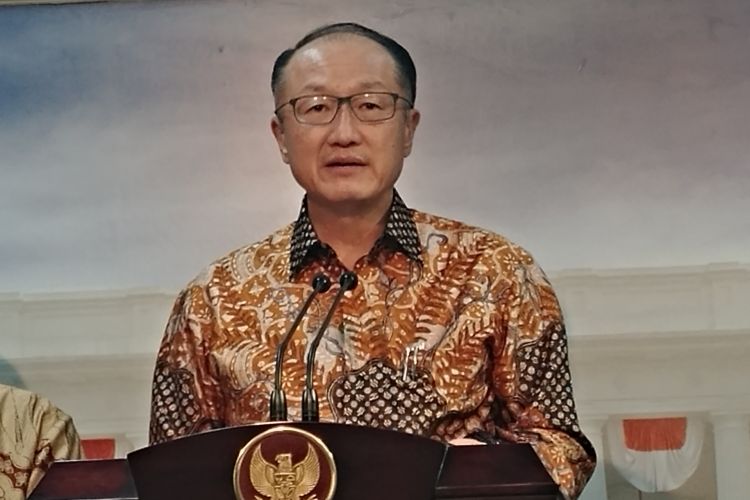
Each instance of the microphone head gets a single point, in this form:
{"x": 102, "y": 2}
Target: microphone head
{"x": 321, "y": 283}
{"x": 348, "y": 280}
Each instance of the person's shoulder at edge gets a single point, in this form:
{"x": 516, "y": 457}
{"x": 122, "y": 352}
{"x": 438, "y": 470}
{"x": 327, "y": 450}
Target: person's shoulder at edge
{"x": 38, "y": 411}
{"x": 36, "y": 404}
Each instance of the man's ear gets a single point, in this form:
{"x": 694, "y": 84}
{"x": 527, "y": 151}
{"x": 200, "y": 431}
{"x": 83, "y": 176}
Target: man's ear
{"x": 277, "y": 128}
{"x": 412, "y": 120}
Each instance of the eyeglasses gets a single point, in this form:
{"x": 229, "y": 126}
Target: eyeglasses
{"x": 322, "y": 109}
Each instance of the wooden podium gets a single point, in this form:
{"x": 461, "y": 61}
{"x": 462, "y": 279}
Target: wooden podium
{"x": 371, "y": 464}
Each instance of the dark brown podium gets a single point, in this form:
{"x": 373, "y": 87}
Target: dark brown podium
{"x": 372, "y": 464}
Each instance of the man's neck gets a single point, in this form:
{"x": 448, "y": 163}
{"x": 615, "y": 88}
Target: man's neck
{"x": 350, "y": 230}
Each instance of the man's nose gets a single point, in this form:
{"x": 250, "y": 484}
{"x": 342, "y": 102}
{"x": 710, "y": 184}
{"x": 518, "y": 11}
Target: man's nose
{"x": 345, "y": 127}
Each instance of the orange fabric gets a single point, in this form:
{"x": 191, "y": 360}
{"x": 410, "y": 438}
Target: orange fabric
{"x": 492, "y": 351}
{"x": 98, "y": 448}
{"x": 655, "y": 434}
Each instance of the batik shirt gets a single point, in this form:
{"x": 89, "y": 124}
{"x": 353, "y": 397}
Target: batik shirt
{"x": 452, "y": 331}
{"x": 33, "y": 433}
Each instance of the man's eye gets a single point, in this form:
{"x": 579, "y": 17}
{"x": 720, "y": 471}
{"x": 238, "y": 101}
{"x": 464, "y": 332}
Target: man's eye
{"x": 316, "y": 108}
{"x": 370, "y": 106}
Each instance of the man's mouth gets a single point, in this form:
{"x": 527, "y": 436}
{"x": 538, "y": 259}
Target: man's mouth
{"x": 346, "y": 161}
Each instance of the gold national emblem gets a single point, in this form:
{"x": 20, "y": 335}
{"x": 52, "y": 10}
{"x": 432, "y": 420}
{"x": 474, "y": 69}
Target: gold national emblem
{"x": 284, "y": 481}
{"x": 285, "y": 463}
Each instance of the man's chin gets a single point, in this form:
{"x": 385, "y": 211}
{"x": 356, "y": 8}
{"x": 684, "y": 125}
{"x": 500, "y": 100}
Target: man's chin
{"x": 347, "y": 200}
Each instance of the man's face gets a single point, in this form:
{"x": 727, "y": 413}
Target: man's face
{"x": 346, "y": 163}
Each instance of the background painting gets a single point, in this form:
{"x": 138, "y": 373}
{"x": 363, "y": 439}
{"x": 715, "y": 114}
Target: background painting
{"x": 136, "y": 145}
{"x": 610, "y": 138}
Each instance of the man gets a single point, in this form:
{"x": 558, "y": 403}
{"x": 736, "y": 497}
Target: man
{"x": 452, "y": 332}
{"x": 33, "y": 434}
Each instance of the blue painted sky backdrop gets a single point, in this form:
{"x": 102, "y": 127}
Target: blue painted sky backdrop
{"x": 135, "y": 145}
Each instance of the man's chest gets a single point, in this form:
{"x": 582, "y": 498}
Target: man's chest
{"x": 411, "y": 323}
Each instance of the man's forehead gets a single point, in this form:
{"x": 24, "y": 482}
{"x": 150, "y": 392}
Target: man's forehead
{"x": 360, "y": 84}
{"x": 341, "y": 42}
{"x": 351, "y": 59}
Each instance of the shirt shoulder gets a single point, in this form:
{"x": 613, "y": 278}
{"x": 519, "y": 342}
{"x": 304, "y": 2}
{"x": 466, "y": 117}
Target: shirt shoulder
{"x": 267, "y": 258}
{"x": 32, "y": 411}
{"x": 461, "y": 239}
{"x": 33, "y": 405}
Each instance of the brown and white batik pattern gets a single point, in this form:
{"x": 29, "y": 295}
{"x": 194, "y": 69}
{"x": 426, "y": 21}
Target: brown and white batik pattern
{"x": 33, "y": 434}
{"x": 486, "y": 345}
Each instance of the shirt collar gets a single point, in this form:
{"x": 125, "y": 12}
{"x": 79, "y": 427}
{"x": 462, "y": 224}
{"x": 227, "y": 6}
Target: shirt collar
{"x": 400, "y": 229}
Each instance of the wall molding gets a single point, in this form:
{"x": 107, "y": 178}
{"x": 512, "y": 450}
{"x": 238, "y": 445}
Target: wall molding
{"x": 632, "y": 351}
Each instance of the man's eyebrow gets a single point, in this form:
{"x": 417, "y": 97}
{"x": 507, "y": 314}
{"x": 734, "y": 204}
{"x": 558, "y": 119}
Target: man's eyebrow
{"x": 313, "y": 88}
{"x": 372, "y": 84}
{"x": 362, "y": 86}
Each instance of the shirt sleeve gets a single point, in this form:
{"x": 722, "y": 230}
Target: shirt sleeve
{"x": 58, "y": 440}
{"x": 36, "y": 434}
{"x": 186, "y": 395}
{"x": 532, "y": 377}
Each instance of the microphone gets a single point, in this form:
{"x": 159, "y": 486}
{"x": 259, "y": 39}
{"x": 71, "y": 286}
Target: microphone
{"x": 310, "y": 407}
{"x": 320, "y": 283}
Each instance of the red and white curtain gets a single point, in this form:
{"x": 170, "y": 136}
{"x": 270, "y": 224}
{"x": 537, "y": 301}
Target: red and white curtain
{"x": 656, "y": 454}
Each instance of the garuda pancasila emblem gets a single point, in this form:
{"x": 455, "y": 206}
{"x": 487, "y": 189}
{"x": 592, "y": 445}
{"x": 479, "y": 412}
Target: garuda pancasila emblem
{"x": 285, "y": 480}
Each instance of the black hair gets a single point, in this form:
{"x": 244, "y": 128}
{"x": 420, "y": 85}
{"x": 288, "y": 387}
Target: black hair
{"x": 405, "y": 70}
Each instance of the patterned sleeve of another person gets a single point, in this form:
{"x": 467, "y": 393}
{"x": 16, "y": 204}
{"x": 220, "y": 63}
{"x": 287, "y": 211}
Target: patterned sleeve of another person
{"x": 33, "y": 434}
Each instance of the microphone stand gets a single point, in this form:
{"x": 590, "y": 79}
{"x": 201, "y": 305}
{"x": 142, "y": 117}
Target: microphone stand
{"x": 310, "y": 406}
{"x": 320, "y": 283}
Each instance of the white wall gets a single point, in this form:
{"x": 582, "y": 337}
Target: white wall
{"x": 94, "y": 352}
